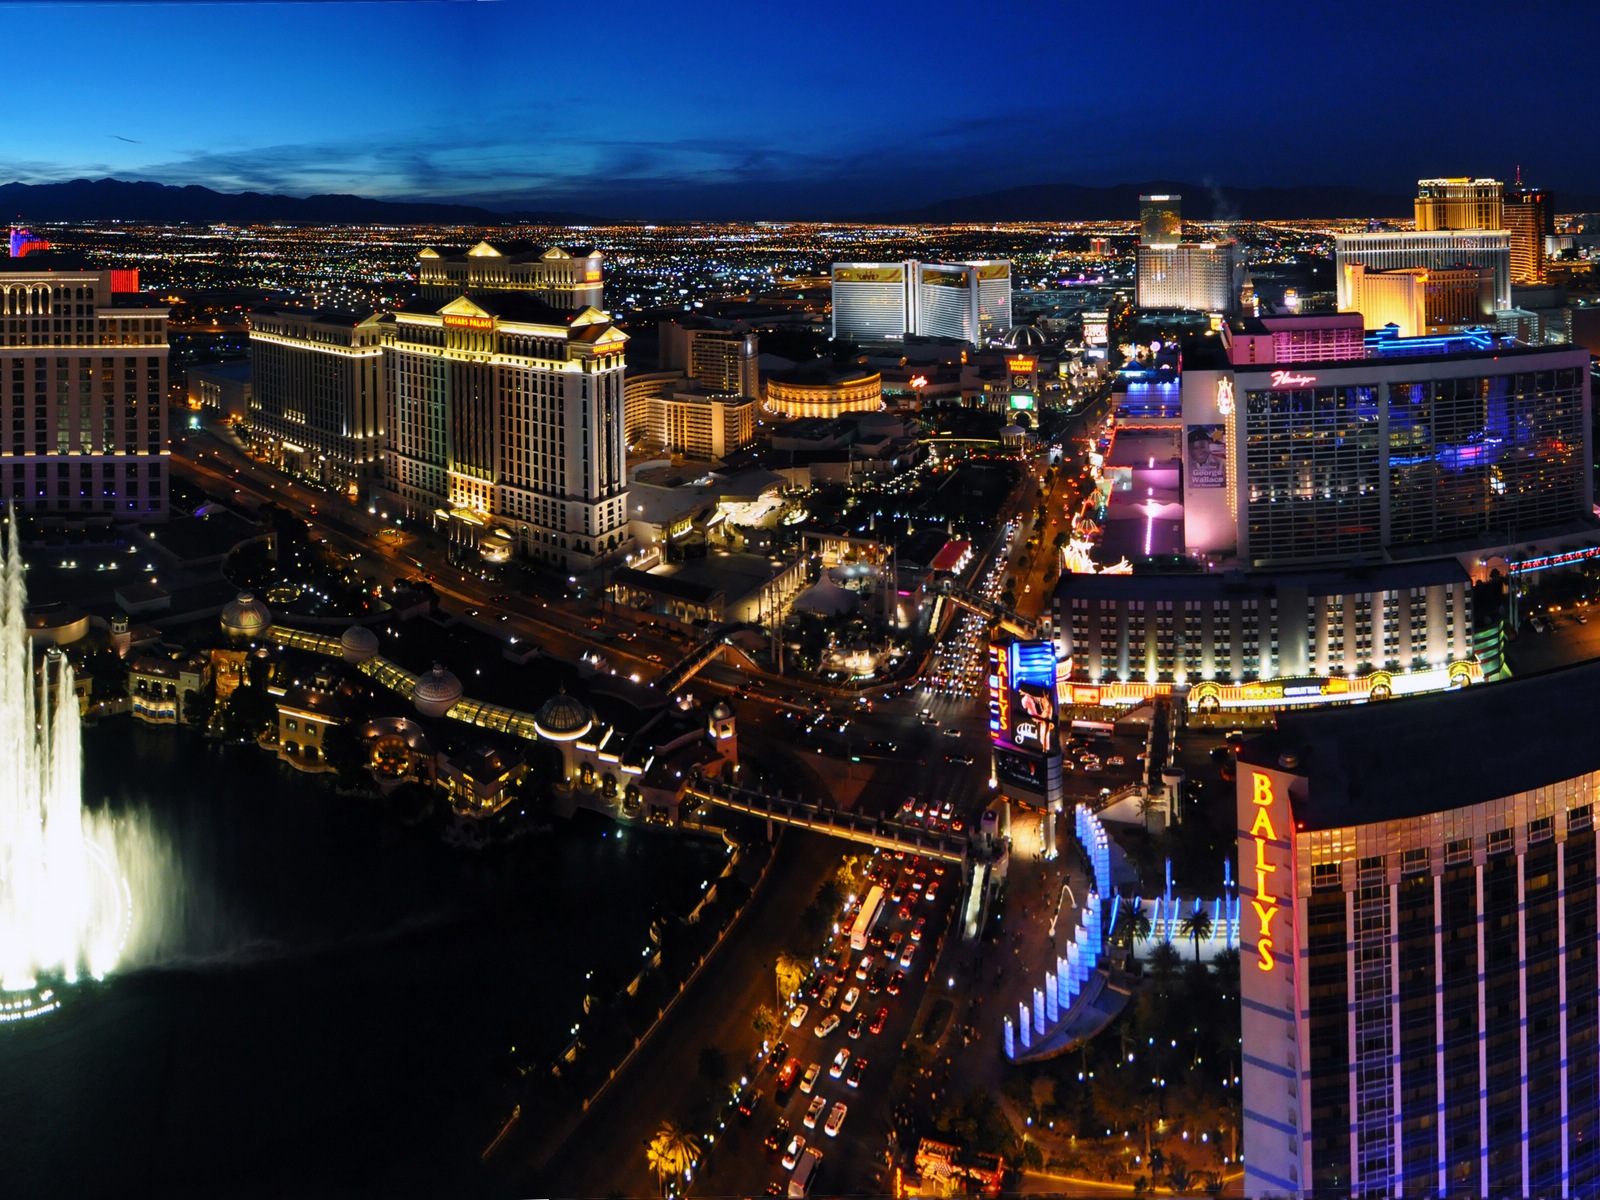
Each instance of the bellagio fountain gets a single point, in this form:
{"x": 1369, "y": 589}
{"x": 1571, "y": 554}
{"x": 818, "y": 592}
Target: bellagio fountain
{"x": 65, "y": 905}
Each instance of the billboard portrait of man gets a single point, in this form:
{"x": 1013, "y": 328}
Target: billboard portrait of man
{"x": 1206, "y": 461}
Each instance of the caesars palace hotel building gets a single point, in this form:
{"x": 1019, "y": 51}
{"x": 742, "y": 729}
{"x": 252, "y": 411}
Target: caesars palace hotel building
{"x": 1420, "y": 930}
{"x": 501, "y": 409}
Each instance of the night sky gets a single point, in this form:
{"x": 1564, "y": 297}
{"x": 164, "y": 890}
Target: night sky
{"x": 670, "y": 108}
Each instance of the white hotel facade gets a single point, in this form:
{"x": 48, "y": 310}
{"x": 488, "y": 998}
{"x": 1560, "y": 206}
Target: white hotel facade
{"x": 888, "y": 302}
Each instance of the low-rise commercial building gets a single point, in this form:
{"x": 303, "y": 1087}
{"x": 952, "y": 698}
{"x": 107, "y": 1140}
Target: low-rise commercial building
{"x": 816, "y": 391}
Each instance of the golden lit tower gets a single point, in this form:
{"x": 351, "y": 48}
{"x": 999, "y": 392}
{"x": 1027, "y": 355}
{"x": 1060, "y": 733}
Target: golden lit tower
{"x": 1458, "y": 203}
{"x": 1529, "y": 218}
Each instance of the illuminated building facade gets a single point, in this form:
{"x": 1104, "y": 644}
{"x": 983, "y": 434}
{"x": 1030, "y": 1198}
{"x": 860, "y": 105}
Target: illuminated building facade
{"x": 1403, "y": 457}
{"x": 1419, "y": 946}
{"x": 1421, "y": 300}
{"x": 1238, "y": 627}
{"x": 1160, "y": 220}
{"x": 316, "y": 399}
{"x": 83, "y": 381}
{"x": 1488, "y": 249}
{"x": 887, "y": 302}
{"x": 1529, "y": 219}
{"x": 701, "y": 425}
{"x": 717, "y": 359}
{"x": 1321, "y": 337}
{"x": 567, "y": 279}
{"x": 1458, "y": 203}
{"x": 507, "y": 411}
{"x": 638, "y": 390}
{"x": 808, "y": 392}
{"x": 1202, "y": 276}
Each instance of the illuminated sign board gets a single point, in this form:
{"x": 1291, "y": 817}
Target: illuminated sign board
{"x": 1019, "y": 401}
{"x": 1266, "y": 805}
{"x": 469, "y": 322}
{"x": 1030, "y": 708}
{"x": 1224, "y": 395}
{"x": 1022, "y": 364}
{"x": 125, "y": 281}
{"x": 869, "y": 274}
{"x": 1289, "y": 379}
{"x": 995, "y": 271}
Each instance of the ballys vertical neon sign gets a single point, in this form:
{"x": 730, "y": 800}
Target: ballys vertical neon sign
{"x": 1266, "y": 898}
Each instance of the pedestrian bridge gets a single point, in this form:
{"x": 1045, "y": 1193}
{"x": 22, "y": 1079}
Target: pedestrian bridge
{"x": 994, "y": 611}
{"x": 855, "y": 827}
{"x": 700, "y": 656}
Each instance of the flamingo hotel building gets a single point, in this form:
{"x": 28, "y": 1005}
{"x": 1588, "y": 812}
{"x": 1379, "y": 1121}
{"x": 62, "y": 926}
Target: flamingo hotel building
{"x": 1420, "y": 935}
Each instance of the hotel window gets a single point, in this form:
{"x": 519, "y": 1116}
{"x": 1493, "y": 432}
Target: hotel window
{"x": 1325, "y": 876}
{"x": 1500, "y": 841}
{"x": 1415, "y": 860}
{"x": 1580, "y": 818}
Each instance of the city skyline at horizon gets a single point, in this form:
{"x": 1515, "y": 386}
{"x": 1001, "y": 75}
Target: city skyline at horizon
{"x": 793, "y": 124}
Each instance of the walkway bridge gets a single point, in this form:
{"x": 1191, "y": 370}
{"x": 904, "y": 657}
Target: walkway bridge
{"x": 994, "y": 611}
{"x": 701, "y": 655}
{"x": 855, "y": 827}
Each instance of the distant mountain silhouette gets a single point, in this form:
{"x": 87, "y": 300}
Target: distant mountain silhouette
{"x": 119, "y": 200}
{"x": 1120, "y": 202}
{"x": 1201, "y": 202}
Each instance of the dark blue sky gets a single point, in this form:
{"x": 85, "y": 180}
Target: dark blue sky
{"x": 779, "y": 108}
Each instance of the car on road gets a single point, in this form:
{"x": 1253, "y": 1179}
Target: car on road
{"x": 748, "y": 1099}
{"x": 908, "y": 954}
{"x": 864, "y": 967}
{"x": 840, "y": 1061}
{"x": 880, "y": 1020}
{"x": 828, "y": 1025}
{"x": 857, "y": 1069}
{"x": 848, "y": 1004}
{"x": 818, "y": 1103}
{"x": 836, "y": 1118}
{"x": 960, "y": 760}
{"x": 786, "y": 1080}
{"x": 798, "y": 1017}
{"x": 829, "y": 994}
{"x": 778, "y": 1134}
{"x": 893, "y": 986}
{"x": 809, "y": 1079}
{"x": 855, "y": 1026}
{"x": 797, "y": 1147}
{"x": 952, "y": 733}
{"x": 932, "y": 893}
{"x": 775, "y": 1056}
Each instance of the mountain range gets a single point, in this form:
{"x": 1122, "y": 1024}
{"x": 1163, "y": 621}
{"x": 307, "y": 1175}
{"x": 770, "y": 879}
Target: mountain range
{"x": 115, "y": 199}
{"x": 119, "y": 200}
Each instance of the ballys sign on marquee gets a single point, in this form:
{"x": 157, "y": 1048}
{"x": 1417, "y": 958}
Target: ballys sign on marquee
{"x": 1269, "y": 815}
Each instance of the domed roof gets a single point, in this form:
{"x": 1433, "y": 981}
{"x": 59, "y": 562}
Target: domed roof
{"x": 245, "y": 617}
{"x": 436, "y": 692}
{"x": 1023, "y": 337}
{"x": 827, "y": 599}
{"x": 563, "y": 718}
{"x": 359, "y": 643}
{"x": 720, "y": 711}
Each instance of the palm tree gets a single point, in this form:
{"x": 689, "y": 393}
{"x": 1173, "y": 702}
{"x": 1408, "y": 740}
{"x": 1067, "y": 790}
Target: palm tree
{"x": 1197, "y": 928}
{"x": 672, "y": 1152}
{"x": 1136, "y": 923}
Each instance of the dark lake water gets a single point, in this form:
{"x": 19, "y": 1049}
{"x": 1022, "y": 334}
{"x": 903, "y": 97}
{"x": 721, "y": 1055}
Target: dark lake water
{"x": 334, "y": 999}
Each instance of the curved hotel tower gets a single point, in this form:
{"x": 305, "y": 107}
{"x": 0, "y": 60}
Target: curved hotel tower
{"x": 1420, "y": 936}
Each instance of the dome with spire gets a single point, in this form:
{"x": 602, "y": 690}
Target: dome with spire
{"x": 435, "y": 692}
{"x": 563, "y": 718}
{"x": 1023, "y": 337}
{"x": 245, "y": 617}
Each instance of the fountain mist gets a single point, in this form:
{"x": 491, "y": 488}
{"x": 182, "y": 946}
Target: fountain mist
{"x": 65, "y": 909}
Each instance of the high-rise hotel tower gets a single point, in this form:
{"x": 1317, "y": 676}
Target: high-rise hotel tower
{"x": 83, "y": 381}
{"x": 503, "y": 410}
{"x": 887, "y": 302}
{"x": 1421, "y": 928}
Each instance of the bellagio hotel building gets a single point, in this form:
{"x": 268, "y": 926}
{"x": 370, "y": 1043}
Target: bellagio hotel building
{"x": 83, "y": 380}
